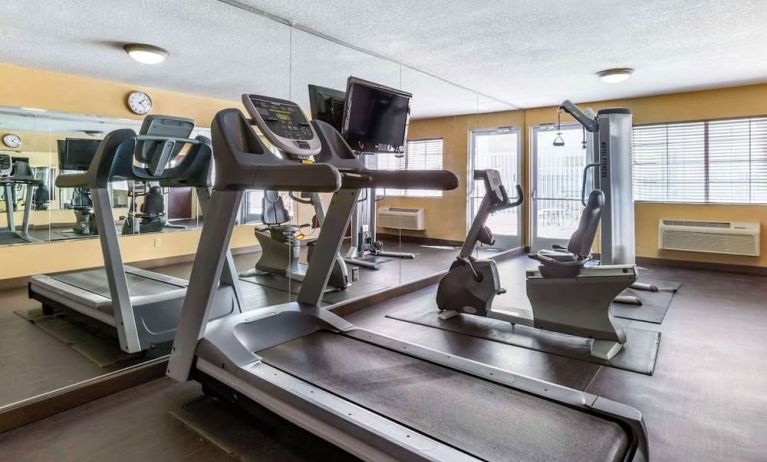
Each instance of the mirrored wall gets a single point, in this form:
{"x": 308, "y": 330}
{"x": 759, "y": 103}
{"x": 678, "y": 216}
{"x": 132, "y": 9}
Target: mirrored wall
{"x": 40, "y": 147}
{"x": 53, "y": 145}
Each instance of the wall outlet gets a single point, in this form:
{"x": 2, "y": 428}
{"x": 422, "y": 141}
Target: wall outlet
{"x": 157, "y": 242}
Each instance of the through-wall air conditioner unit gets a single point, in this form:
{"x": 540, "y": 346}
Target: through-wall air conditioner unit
{"x": 727, "y": 237}
{"x": 401, "y": 218}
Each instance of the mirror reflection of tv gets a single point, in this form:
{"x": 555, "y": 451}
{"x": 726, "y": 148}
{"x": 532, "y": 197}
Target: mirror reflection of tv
{"x": 76, "y": 153}
{"x": 375, "y": 116}
{"x": 327, "y": 105}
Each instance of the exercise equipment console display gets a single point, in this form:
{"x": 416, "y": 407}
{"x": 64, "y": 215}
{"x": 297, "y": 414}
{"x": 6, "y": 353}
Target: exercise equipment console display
{"x": 287, "y": 128}
{"x": 285, "y": 125}
{"x": 345, "y": 383}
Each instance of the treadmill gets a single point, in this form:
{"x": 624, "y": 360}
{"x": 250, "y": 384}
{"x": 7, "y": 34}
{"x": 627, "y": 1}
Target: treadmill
{"x": 142, "y": 306}
{"x": 374, "y": 396}
{"x": 12, "y": 173}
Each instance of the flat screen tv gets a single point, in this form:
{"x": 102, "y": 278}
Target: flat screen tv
{"x": 375, "y": 116}
{"x": 76, "y": 154}
{"x": 327, "y": 105}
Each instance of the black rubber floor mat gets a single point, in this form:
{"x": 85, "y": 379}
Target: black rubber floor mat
{"x": 372, "y": 259}
{"x": 638, "y": 355}
{"x": 357, "y": 289}
{"x": 654, "y": 305}
{"x": 245, "y": 437}
{"x": 100, "y": 348}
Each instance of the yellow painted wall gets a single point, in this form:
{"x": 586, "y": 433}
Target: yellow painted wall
{"x": 29, "y": 259}
{"x": 733, "y": 102}
{"x": 446, "y": 216}
{"x": 23, "y": 87}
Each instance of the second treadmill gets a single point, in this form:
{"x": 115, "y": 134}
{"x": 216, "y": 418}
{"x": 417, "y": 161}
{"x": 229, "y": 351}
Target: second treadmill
{"x": 142, "y": 306}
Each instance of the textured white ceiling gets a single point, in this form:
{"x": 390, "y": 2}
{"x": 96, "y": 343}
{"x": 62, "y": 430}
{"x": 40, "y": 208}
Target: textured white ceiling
{"x": 526, "y": 52}
{"x": 538, "y": 52}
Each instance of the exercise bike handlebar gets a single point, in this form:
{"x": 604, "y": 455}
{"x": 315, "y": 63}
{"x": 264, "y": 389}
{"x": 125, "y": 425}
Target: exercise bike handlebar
{"x": 585, "y": 180}
{"x": 520, "y": 197}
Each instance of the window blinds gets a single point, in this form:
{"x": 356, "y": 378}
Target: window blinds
{"x": 419, "y": 155}
{"x": 722, "y": 161}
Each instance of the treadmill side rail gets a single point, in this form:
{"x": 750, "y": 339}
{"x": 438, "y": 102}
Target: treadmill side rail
{"x": 223, "y": 208}
{"x": 127, "y": 331}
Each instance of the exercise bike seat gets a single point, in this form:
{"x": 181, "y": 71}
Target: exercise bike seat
{"x": 560, "y": 256}
{"x": 275, "y": 216}
{"x": 560, "y": 262}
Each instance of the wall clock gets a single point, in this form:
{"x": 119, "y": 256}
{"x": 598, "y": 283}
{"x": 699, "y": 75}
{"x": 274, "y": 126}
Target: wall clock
{"x": 12, "y": 140}
{"x": 139, "y": 103}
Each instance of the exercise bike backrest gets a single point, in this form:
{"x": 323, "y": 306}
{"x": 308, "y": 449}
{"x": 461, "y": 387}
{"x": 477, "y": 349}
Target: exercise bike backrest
{"x": 274, "y": 210}
{"x": 581, "y": 240}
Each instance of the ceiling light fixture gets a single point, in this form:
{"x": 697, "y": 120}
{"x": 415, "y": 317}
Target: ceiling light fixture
{"x": 145, "y": 54}
{"x": 616, "y": 75}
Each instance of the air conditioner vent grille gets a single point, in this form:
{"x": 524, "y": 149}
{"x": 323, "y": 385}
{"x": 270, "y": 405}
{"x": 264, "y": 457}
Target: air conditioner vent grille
{"x": 710, "y": 236}
{"x": 703, "y": 224}
{"x": 401, "y": 218}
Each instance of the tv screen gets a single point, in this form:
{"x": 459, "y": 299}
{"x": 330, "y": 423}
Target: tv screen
{"x": 327, "y": 105}
{"x": 375, "y": 116}
{"x": 76, "y": 154}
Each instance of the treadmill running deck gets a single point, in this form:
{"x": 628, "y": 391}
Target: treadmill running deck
{"x": 95, "y": 281}
{"x": 487, "y": 420}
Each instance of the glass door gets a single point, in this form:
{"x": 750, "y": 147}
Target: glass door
{"x": 497, "y": 149}
{"x": 557, "y": 179}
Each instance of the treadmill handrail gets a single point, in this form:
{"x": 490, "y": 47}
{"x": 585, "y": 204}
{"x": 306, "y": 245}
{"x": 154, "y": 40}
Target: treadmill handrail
{"x": 245, "y": 162}
{"x": 114, "y": 161}
{"x": 439, "y": 180}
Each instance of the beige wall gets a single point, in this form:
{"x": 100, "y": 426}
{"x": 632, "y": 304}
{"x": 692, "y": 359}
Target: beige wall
{"x": 446, "y": 216}
{"x": 28, "y": 259}
{"x": 446, "y": 219}
{"x": 22, "y": 87}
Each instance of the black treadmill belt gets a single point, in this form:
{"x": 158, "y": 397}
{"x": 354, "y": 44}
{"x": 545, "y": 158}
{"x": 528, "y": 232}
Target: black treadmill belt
{"x": 487, "y": 420}
{"x": 95, "y": 281}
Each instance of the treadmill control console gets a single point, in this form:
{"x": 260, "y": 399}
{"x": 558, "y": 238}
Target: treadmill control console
{"x": 284, "y": 124}
{"x": 6, "y": 165}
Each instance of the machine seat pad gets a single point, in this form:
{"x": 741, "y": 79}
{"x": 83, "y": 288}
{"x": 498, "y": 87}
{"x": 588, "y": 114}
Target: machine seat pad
{"x": 558, "y": 255}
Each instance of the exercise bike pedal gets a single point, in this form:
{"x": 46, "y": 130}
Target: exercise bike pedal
{"x": 447, "y": 314}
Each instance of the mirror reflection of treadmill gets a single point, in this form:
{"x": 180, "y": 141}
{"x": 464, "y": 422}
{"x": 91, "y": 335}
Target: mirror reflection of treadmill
{"x": 373, "y": 119}
{"x": 75, "y": 155}
{"x": 141, "y": 306}
{"x": 14, "y": 172}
